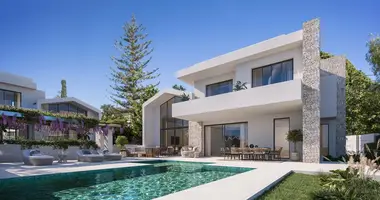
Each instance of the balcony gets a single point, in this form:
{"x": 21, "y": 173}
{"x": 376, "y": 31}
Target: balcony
{"x": 274, "y": 98}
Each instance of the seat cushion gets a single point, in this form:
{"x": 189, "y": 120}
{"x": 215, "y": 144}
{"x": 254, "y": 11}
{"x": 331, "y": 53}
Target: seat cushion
{"x": 35, "y": 152}
{"x": 86, "y": 152}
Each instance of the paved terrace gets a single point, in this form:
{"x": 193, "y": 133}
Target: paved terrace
{"x": 246, "y": 185}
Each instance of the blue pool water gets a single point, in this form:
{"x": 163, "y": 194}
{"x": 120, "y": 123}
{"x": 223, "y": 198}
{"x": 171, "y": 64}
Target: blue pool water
{"x": 157, "y": 179}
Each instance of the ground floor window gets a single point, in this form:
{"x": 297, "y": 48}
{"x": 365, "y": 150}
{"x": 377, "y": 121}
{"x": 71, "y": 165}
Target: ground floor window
{"x": 225, "y": 135}
{"x": 176, "y": 137}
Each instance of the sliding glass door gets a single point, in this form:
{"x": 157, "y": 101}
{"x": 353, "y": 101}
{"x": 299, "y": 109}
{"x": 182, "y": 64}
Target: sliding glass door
{"x": 281, "y": 128}
{"x": 224, "y": 135}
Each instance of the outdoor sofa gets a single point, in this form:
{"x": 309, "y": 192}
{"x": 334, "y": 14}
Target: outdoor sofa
{"x": 111, "y": 156}
{"x": 85, "y": 155}
{"x": 36, "y": 158}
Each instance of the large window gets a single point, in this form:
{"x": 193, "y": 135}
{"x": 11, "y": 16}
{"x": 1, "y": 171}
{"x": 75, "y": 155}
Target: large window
{"x": 66, "y": 107}
{"x": 274, "y": 73}
{"x": 219, "y": 88}
{"x": 9, "y": 98}
{"x": 174, "y": 132}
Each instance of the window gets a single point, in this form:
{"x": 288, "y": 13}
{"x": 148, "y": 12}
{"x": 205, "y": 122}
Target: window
{"x": 63, "y": 107}
{"x": 274, "y": 73}
{"x": 219, "y": 88}
{"x": 73, "y": 109}
{"x": 9, "y": 97}
{"x": 53, "y": 107}
{"x": 173, "y": 131}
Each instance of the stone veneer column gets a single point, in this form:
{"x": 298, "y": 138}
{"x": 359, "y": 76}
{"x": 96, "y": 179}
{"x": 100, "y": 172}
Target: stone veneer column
{"x": 311, "y": 91}
{"x": 337, "y": 66}
{"x": 196, "y": 135}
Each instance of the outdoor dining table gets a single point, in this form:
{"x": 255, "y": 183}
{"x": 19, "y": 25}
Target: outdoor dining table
{"x": 250, "y": 153}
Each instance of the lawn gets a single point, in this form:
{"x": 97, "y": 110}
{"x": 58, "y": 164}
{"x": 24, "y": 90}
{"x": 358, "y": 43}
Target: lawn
{"x": 294, "y": 187}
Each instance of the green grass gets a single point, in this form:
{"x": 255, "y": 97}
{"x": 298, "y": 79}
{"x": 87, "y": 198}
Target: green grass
{"x": 294, "y": 187}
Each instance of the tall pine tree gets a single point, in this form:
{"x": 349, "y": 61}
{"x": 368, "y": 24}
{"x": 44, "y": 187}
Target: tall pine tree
{"x": 63, "y": 89}
{"x": 133, "y": 81}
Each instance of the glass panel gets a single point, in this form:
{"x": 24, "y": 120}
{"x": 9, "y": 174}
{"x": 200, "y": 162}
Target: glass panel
{"x": 163, "y": 113}
{"x": 73, "y": 108}
{"x": 2, "y": 97}
{"x": 170, "y": 138}
{"x": 257, "y": 77}
{"x": 287, "y": 70}
{"x": 232, "y": 135}
{"x": 81, "y": 111}
{"x": 219, "y": 88}
{"x": 216, "y": 141}
{"x": 267, "y": 73}
{"x": 9, "y": 98}
{"x": 53, "y": 107}
{"x": 281, "y": 128}
{"x": 277, "y": 73}
{"x": 225, "y": 87}
{"x": 185, "y": 137}
{"x": 163, "y": 138}
{"x": 63, "y": 107}
{"x": 325, "y": 140}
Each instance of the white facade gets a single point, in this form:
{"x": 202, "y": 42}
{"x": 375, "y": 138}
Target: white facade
{"x": 264, "y": 112}
{"x": 22, "y": 92}
{"x": 24, "y": 88}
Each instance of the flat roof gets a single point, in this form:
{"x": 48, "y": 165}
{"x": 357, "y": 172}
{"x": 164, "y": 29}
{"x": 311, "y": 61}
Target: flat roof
{"x": 68, "y": 99}
{"x": 225, "y": 63}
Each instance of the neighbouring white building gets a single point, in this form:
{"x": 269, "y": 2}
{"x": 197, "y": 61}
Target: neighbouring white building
{"x": 22, "y": 92}
{"x": 288, "y": 87}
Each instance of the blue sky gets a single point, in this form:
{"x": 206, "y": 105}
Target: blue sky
{"x": 73, "y": 40}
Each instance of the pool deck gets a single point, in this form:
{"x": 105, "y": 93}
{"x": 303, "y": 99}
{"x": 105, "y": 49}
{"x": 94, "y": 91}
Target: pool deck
{"x": 246, "y": 185}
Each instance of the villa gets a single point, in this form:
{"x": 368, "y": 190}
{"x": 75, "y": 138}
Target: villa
{"x": 288, "y": 87}
{"x": 22, "y": 92}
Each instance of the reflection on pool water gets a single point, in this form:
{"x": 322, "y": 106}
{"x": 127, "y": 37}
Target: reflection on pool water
{"x": 157, "y": 179}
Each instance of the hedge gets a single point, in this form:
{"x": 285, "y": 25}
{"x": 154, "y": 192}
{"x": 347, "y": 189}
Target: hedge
{"x": 56, "y": 144}
{"x": 32, "y": 115}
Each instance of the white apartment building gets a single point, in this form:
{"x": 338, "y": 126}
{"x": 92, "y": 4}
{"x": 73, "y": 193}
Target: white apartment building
{"x": 288, "y": 87}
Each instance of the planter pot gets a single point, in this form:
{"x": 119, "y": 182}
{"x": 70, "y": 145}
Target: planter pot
{"x": 294, "y": 156}
{"x": 123, "y": 153}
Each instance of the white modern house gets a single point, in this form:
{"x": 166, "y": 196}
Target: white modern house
{"x": 22, "y": 92}
{"x": 288, "y": 87}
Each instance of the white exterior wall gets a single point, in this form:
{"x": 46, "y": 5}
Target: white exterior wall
{"x": 243, "y": 71}
{"x": 260, "y": 127}
{"x": 29, "y": 96}
{"x": 200, "y": 86}
{"x": 151, "y": 126}
{"x": 328, "y": 96}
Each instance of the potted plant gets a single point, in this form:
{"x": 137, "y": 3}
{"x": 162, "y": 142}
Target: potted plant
{"x": 294, "y": 136}
{"x": 61, "y": 145}
{"x": 121, "y": 141}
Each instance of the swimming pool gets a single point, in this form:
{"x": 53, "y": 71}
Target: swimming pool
{"x": 156, "y": 179}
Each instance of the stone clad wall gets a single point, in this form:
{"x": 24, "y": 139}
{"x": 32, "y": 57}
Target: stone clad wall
{"x": 311, "y": 91}
{"x": 196, "y": 135}
{"x": 337, "y": 66}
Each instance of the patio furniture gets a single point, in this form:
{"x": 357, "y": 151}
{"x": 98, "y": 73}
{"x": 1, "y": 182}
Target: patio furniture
{"x": 111, "y": 156}
{"x": 85, "y": 155}
{"x": 276, "y": 154}
{"x": 189, "y": 152}
{"x": 36, "y": 158}
{"x": 167, "y": 151}
{"x": 235, "y": 153}
{"x": 138, "y": 151}
{"x": 62, "y": 158}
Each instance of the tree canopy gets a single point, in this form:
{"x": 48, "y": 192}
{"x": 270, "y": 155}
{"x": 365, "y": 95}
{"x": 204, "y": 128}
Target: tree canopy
{"x": 133, "y": 81}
